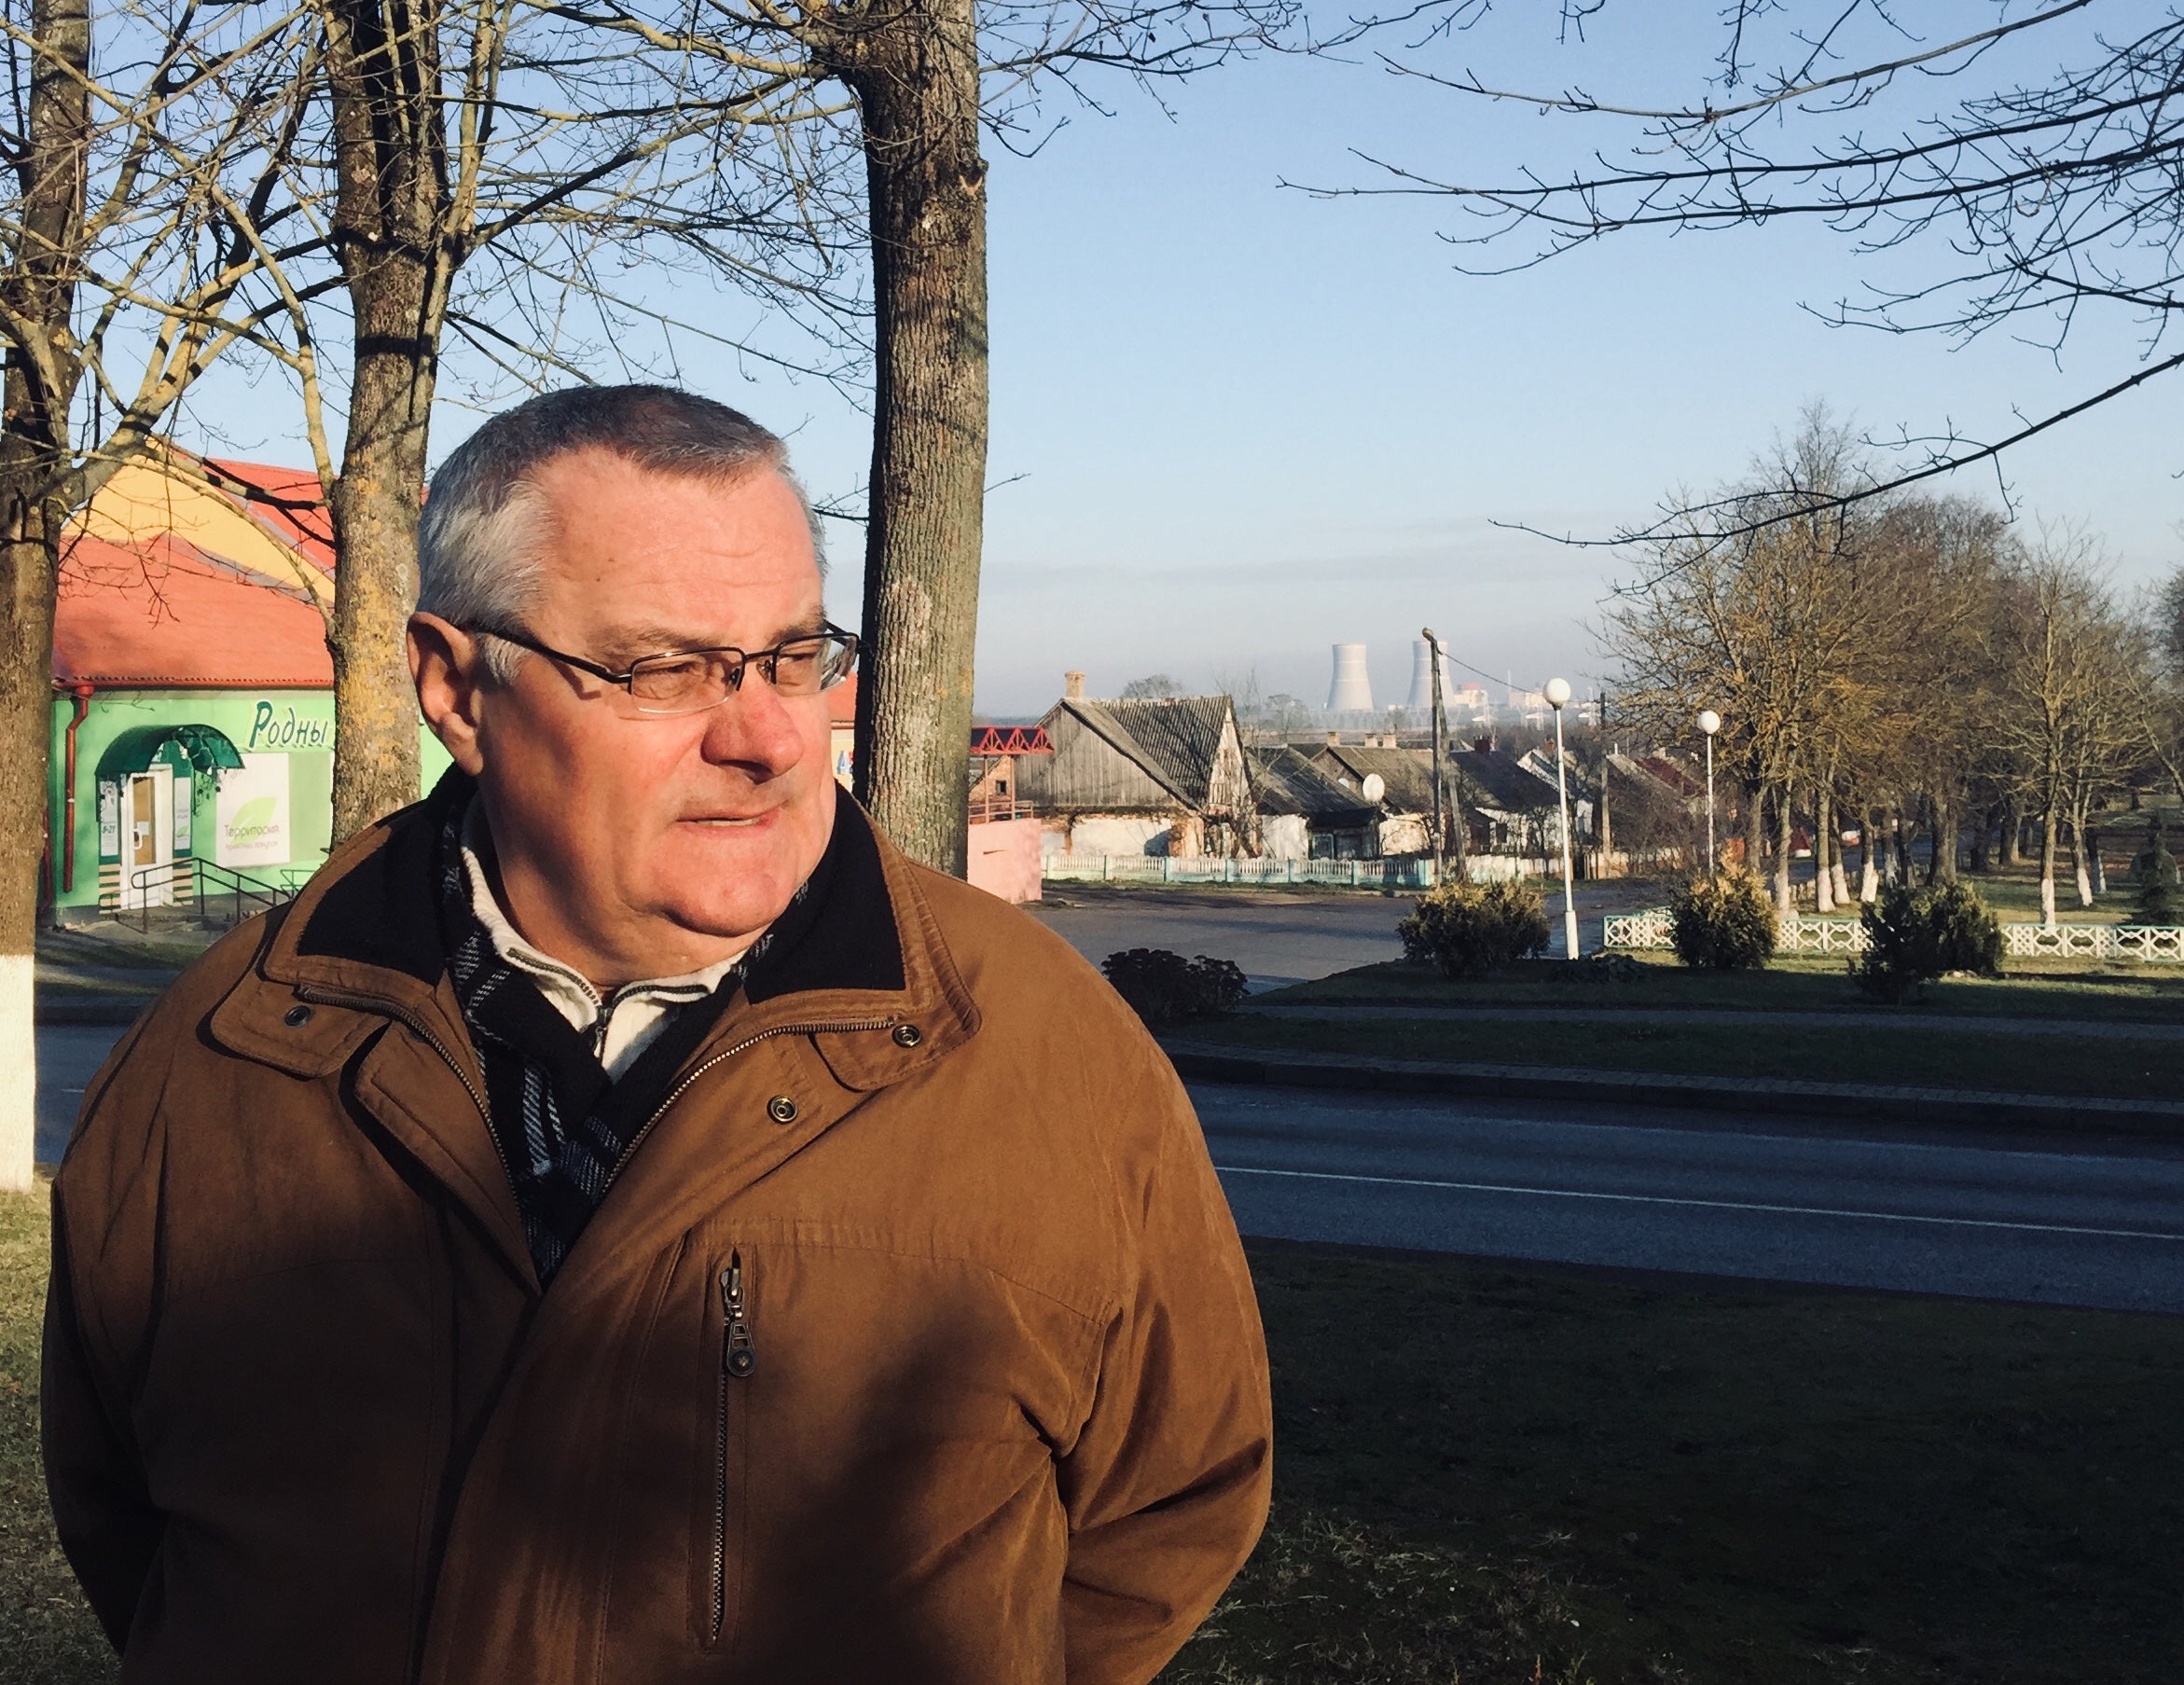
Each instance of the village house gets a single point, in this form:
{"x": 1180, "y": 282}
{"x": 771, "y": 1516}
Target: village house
{"x": 1158, "y": 776}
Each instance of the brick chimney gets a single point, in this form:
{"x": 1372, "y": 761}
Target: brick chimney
{"x": 1073, "y": 686}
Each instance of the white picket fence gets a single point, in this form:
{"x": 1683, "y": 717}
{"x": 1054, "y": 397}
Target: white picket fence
{"x": 2158, "y": 943}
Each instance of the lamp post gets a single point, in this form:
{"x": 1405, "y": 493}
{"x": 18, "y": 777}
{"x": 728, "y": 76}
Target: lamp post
{"x": 1709, "y": 723}
{"x": 1558, "y": 693}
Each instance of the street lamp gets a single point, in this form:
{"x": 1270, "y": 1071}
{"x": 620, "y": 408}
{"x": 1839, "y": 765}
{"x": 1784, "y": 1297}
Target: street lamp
{"x": 1558, "y": 693}
{"x": 1709, "y": 723}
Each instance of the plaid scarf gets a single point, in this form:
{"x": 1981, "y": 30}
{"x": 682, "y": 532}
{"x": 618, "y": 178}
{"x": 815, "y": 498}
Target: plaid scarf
{"x": 564, "y": 1126}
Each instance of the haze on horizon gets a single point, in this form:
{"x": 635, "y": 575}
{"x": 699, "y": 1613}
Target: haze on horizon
{"x": 1235, "y": 424}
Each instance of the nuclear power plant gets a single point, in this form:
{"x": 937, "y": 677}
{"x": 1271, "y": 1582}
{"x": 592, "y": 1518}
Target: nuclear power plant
{"x": 1352, "y": 691}
{"x": 1422, "y": 697}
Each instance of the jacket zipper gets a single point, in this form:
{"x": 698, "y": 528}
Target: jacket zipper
{"x": 738, "y": 1360}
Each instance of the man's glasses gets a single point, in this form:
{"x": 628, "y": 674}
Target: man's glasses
{"x": 691, "y": 679}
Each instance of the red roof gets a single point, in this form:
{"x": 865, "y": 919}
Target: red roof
{"x": 285, "y": 500}
{"x": 166, "y": 615}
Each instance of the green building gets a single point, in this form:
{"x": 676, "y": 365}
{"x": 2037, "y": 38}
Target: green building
{"x": 193, "y": 706}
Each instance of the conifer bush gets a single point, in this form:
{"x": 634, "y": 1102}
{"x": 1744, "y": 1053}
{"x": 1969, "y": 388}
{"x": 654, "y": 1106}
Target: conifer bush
{"x": 1468, "y": 930}
{"x": 1723, "y": 923}
{"x": 2158, "y": 899}
{"x": 1915, "y": 935}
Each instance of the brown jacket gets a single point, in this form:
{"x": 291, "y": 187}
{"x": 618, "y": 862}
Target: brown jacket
{"x": 995, "y": 1411}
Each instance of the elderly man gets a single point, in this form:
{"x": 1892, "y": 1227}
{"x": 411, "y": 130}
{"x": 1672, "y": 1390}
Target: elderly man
{"x": 624, "y": 1222}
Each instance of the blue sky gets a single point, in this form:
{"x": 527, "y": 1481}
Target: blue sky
{"x": 1234, "y": 423}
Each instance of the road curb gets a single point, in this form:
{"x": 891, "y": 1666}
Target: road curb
{"x": 1209, "y": 1063}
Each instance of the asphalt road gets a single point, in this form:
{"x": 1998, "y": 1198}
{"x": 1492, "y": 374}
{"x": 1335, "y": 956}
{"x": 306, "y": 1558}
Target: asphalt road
{"x": 1640, "y": 1188}
{"x": 1275, "y": 935}
{"x": 1764, "y": 1199}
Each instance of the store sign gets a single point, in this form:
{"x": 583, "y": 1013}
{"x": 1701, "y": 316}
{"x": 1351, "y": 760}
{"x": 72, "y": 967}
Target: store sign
{"x": 109, "y": 820}
{"x": 274, "y": 728}
{"x": 251, "y": 821}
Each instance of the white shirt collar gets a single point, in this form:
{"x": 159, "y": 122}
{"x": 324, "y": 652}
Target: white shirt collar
{"x": 623, "y": 1022}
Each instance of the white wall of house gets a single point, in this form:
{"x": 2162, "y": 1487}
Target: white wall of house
{"x": 1286, "y": 836}
{"x": 1095, "y": 834}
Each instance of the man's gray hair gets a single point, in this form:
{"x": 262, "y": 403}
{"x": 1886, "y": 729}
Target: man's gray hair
{"x": 480, "y": 541}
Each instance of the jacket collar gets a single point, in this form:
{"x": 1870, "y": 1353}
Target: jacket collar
{"x": 858, "y": 957}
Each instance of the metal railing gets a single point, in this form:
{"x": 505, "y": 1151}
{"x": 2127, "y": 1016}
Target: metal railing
{"x": 208, "y": 881}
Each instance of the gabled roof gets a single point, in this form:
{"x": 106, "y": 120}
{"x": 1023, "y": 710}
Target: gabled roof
{"x": 1175, "y": 739}
{"x": 1287, "y": 781}
{"x": 175, "y": 574}
{"x": 1660, "y": 771}
{"x": 157, "y": 615}
{"x": 1493, "y": 777}
{"x": 1407, "y": 774}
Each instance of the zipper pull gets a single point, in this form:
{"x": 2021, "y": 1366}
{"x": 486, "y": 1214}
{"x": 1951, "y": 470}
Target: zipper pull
{"x": 737, "y": 1357}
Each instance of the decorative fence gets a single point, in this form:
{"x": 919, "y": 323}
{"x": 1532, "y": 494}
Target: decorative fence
{"x": 2155, "y": 943}
{"x": 1408, "y": 871}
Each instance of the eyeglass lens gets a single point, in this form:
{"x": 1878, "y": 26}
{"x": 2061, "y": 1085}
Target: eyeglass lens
{"x": 700, "y": 680}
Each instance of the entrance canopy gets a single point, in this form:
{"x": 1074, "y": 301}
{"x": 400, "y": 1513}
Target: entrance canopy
{"x": 207, "y": 748}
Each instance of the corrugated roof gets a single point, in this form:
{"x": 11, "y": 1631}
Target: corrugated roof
{"x": 1286, "y": 781}
{"x": 1496, "y": 779}
{"x": 1406, "y": 773}
{"x": 159, "y": 615}
{"x": 175, "y": 574}
{"x": 1174, "y": 739}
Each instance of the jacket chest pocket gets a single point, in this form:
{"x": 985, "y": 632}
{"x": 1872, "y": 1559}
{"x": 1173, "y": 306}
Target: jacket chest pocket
{"x": 852, "y": 1431}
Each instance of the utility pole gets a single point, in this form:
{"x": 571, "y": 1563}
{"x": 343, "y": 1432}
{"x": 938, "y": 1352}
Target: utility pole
{"x": 1440, "y": 739}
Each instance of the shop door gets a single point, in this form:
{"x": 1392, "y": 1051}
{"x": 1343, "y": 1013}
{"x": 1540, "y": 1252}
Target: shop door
{"x": 148, "y": 841}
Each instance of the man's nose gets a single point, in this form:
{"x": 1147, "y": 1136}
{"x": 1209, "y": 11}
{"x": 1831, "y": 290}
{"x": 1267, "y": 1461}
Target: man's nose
{"x": 754, "y": 727}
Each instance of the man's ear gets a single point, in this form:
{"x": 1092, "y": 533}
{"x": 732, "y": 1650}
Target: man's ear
{"x": 447, "y": 664}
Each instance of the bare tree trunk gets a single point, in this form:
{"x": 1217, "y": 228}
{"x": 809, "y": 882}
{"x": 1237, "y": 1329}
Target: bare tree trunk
{"x": 390, "y": 154}
{"x": 1823, "y": 852}
{"x": 39, "y": 389}
{"x": 1869, "y": 874}
{"x": 2047, "y": 867}
{"x": 2012, "y": 853}
{"x": 1942, "y": 868}
{"x": 1903, "y": 830}
{"x": 1755, "y": 828}
{"x": 2082, "y": 868}
{"x": 1784, "y": 906}
{"x": 914, "y": 69}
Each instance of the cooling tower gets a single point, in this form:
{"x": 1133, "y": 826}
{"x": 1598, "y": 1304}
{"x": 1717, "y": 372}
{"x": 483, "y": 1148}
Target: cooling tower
{"x": 1423, "y": 678}
{"x": 1351, "y": 692}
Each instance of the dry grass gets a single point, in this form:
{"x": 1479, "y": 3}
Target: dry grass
{"x": 1495, "y": 1475}
{"x": 1500, "y": 1474}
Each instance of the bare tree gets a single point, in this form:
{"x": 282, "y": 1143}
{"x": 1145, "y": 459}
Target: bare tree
{"x": 512, "y": 131}
{"x": 926, "y": 80}
{"x": 2033, "y": 203}
{"x": 124, "y": 273}
{"x": 2059, "y": 654}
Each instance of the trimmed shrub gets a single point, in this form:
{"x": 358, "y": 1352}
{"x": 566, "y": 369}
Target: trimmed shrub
{"x": 1723, "y": 923}
{"x": 1164, "y": 988}
{"x": 1915, "y": 935}
{"x": 2158, "y": 899}
{"x": 1467, "y": 929}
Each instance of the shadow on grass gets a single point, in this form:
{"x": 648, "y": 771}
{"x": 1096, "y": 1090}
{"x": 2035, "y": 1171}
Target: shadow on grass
{"x": 1499, "y": 1475}
{"x": 1502, "y": 1475}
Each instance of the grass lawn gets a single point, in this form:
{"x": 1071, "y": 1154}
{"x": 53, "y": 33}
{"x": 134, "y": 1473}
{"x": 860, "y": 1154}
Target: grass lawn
{"x": 1494, "y": 1475}
{"x": 1981, "y": 1060}
{"x": 47, "y": 1633}
{"x": 1794, "y": 982}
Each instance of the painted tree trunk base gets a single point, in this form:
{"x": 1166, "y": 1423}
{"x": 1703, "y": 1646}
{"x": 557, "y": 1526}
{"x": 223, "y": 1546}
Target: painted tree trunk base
{"x": 18, "y": 1074}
